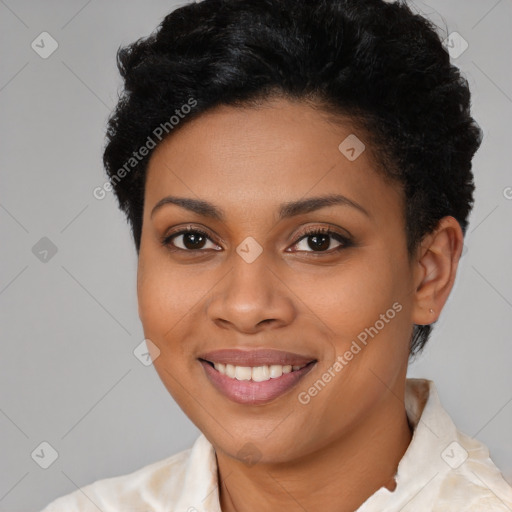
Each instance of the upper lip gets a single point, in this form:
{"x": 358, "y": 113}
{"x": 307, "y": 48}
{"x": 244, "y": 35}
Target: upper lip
{"x": 255, "y": 357}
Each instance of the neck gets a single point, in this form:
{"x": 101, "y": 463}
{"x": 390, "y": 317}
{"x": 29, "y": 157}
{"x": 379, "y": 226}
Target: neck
{"x": 339, "y": 477}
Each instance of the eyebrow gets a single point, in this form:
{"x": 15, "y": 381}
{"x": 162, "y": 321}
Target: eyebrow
{"x": 286, "y": 210}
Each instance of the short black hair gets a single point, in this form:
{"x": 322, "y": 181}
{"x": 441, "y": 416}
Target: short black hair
{"x": 376, "y": 62}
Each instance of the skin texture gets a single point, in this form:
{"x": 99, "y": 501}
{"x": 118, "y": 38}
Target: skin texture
{"x": 335, "y": 451}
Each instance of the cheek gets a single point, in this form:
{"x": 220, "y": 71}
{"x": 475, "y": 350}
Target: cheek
{"x": 165, "y": 298}
{"x": 354, "y": 295}
{"x": 365, "y": 305}
{"x": 164, "y": 294}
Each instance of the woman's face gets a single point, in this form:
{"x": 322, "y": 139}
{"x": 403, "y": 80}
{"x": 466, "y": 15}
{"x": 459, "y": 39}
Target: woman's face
{"x": 341, "y": 302}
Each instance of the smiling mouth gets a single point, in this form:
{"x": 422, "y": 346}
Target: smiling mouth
{"x": 255, "y": 373}
{"x": 254, "y": 385}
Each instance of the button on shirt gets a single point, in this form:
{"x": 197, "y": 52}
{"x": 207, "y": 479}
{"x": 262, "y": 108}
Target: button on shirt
{"x": 442, "y": 470}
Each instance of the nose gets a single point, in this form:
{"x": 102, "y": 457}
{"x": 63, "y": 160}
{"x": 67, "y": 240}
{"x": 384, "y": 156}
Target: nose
{"x": 251, "y": 297}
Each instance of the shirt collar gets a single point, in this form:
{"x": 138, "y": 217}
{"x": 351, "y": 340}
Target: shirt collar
{"x": 422, "y": 462}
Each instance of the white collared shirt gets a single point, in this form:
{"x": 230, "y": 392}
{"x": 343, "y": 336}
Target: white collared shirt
{"x": 442, "y": 470}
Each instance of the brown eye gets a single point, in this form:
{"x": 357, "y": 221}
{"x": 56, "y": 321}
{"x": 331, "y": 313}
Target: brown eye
{"x": 191, "y": 240}
{"x": 320, "y": 240}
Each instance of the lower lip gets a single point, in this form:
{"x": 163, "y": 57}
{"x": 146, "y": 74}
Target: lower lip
{"x": 250, "y": 392}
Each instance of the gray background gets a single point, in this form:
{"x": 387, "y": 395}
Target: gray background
{"x": 68, "y": 374}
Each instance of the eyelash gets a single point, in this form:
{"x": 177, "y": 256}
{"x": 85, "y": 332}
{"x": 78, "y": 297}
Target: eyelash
{"x": 345, "y": 242}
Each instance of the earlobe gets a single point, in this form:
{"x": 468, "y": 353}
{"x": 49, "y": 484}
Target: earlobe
{"x": 436, "y": 268}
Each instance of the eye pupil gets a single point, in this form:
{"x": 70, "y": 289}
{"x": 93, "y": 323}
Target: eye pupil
{"x": 193, "y": 238}
{"x": 319, "y": 245}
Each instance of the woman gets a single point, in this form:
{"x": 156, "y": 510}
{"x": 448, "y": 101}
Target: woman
{"x": 297, "y": 177}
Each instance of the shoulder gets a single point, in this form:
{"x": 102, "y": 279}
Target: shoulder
{"x": 444, "y": 469}
{"x": 475, "y": 483}
{"x": 134, "y": 491}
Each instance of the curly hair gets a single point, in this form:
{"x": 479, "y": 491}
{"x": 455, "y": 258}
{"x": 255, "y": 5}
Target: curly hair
{"x": 376, "y": 62}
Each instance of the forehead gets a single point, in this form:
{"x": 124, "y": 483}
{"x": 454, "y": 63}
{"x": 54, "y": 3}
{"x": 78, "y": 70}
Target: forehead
{"x": 255, "y": 158}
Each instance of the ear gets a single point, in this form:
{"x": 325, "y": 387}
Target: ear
{"x": 435, "y": 270}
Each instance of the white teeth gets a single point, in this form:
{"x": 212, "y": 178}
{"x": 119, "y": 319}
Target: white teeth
{"x": 260, "y": 373}
{"x": 255, "y": 373}
{"x": 243, "y": 373}
{"x": 221, "y": 367}
{"x": 230, "y": 370}
{"x": 276, "y": 370}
